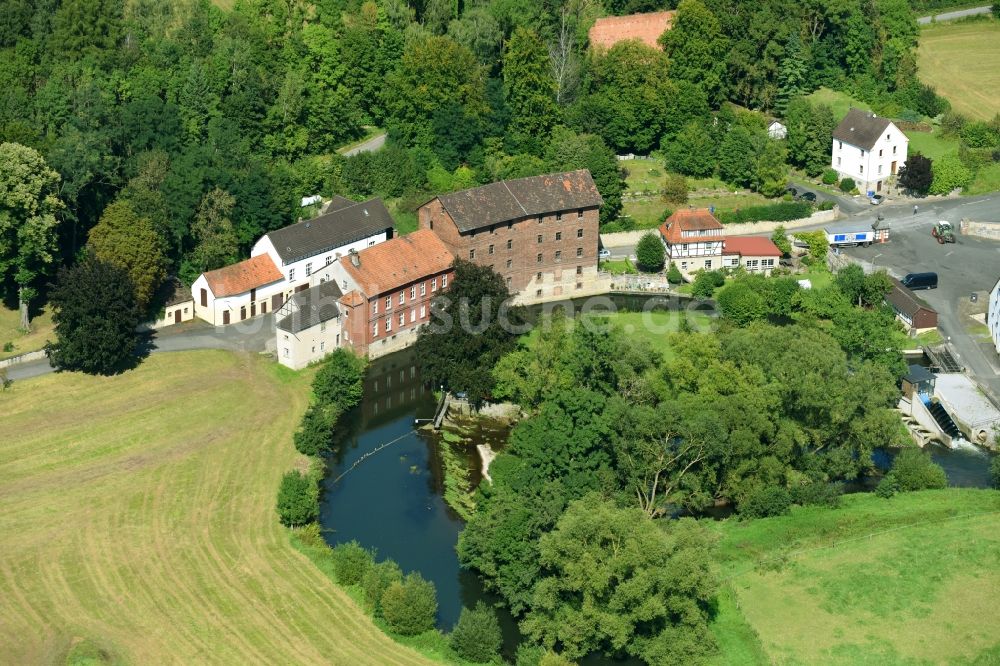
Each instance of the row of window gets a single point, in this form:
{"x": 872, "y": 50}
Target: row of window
{"x": 538, "y": 259}
{"x": 861, "y": 167}
{"x": 413, "y": 293}
{"x": 402, "y": 320}
{"x": 329, "y": 260}
{"x": 510, "y": 225}
{"x": 510, "y": 243}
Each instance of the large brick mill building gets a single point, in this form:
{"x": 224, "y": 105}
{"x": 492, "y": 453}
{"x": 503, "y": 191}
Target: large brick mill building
{"x": 540, "y": 233}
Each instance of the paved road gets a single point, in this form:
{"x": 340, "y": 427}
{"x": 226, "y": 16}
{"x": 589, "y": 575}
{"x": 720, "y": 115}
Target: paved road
{"x": 252, "y": 335}
{"x": 370, "y": 146}
{"x": 951, "y": 16}
{"x": 969, "y": 265}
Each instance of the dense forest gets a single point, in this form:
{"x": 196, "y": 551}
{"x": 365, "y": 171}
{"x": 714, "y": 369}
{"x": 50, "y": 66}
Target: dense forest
{"x": 205, "y": 126}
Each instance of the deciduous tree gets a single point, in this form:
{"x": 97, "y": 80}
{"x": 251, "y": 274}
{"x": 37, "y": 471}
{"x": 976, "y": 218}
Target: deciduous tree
{"x": 696, "y": 48}
{"x": 529, "y": 90}
{"x": 130, "y": 242}
{"x": 917, "y": 174}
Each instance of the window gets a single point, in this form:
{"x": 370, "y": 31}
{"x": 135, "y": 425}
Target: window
{"x": 558, "y": 217}
{"x": 539, "y": 259}
{"x": 838, "y": 161}
{"x": 510, "y": 244}
{"x": 413, "y": 315}
{"x": 322, "y": 327}
{"x": 472, "y": 254}
{"x": 538, "y": 276}
{"x": 291, "y": 275}
{"x": 492, "y": 229}
{"x": 434, "y": 284}
{"x": 579, "y": 251}
{"x": 413, "y": 292}
{"x": 374, "y": 307}
{"x": 579, "y": 233}
{"x": 840, "y": 144}
{"x": 375, "y": 330}
{"x": 510, "y": 225}
{"x": 558, "y": 235}
{"x": 752, "y": 264}
{"x": 322, "y": 346}
{"x": 684, "y": 265}
{"x": 285, "y": 354}
{"x": 539, "y": 219}
{"x": 423, "y": 311}
{"x": 329, "y": 260}
{"x": 888, "y": 137}
{"x": 880, "y": 152}
{"x": 309, "y": 269}
{"x": 861, "y": 168}
{"x": 558, "y": 255}
{"x": 539, "y": 238}
{"x": 579, "y": 270}
{"x": 491, "y": 248}
{"x": 880, "y": 168}
{"x": 371, "y": 243}
{"x": 579, "y": 214}
{"x": 444, "y": 281}
{"x": 538, "y": 292}
{"x": 388, "y": 303}
{"x": 767, "y": 262}
{"x": 402, "y": 319}
{"x": 510, "y": 263}
{"x": 894, "y": 150}
{"x": 423, "y": 288}
{"x": 313, "y": 350}
{"x": 579, "y": 285}
{"x": 388, "y": 324}
{"x": 708, "y": 263}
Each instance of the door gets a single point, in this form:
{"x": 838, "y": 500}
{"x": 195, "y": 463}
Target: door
{"x": 892, "y": 169}
{"x": 301, "y": 287}
{"x": 225, "y": 318}
{"x": 204, "y": 298}
{"x": 253, "y": 309}
{"x": 878, "y": 186}
{"x": 276, "y": 301}
{"x": 243, "y": 312}
{"x": 177, "y": 316}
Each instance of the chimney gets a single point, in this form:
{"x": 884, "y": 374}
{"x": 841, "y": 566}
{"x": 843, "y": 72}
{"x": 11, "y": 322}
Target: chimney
{"x": 355, "y": 259}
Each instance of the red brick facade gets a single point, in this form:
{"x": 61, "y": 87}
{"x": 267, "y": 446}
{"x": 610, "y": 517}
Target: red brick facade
{"x": 559, "y": 244}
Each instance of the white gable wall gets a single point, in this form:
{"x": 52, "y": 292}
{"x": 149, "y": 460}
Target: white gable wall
{"x": 239, "y": 306}
{"x": 300, "y": 272}
{"x": 871, "y": 169}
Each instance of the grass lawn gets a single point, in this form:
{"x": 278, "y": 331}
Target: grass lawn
{"x": 618, "y": 267}
{"x": 908, "y": 580}
{"x": 655, "y": 326}
{"x": 819, "y": 276}
{"x": 931, "y": 144}
{"x": 41, "y": 331}
{"x": 840, "y": 102}
{"x": 644, "y": 175}
{"x": 962, "y": 61}
{"x": 137, "y": 515}
{"x": 645, "y": 214}
{"x": 987, "y": 180}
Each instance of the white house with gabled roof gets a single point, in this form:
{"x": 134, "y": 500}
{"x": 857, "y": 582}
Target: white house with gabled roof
{"x": 868, "y": 149}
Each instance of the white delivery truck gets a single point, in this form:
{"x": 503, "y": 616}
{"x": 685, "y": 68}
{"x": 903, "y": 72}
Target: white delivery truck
{"x": 853, "y": 233}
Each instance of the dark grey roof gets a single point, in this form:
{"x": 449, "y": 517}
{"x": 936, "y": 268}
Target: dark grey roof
{"x": 331, "y": 230}
{"x": 312, "y": 306}
{"x": 336, "y": 203}
{"x": 919, "y": 373}
{"x": 860, "y": 128}
{"x": 905, "y": 301}
{"x": 508, "y": 200}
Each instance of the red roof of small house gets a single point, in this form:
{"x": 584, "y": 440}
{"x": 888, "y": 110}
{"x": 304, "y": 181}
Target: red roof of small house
{"x": 353, "y": 298}
{"x": 398, "y": 262}
{"x": 688, "y": 219}
{"x": 647, "y": 28}
{"x": 750, "y": 246}
{"x": 242, "y": 277}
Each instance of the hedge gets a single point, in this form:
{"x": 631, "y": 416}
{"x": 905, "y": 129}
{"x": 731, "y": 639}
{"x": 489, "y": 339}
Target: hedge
{"x": 778, "y": 212}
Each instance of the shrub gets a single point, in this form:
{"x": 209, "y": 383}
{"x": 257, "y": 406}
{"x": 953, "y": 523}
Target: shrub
{"x": 529, "y": 655}
{"x": 817, "y": 242}
{"x": 949, "y": 174}
{"x": 675, "y": 189}
{"x": 829, "y": 177}
{"x": 995, "y": 472}
{"x": 314, "y": 434}
{"x": 476, "y": 636}
{"x": 351, "y": 562}
{"x": 848, "y": 185}
{"x": 298, "y": 499}
{"x": 706, "y": 282}
{"x": 887, "y": 487}
{"x": 766, "y": 501}
{"x": 777, "y": 212}
{"x": 826, "y": 204}
{"x": 376, "y": 581}
{"x": 8, "y": 347}
{"x": 817, "y": 494}
{"x": 741, "y": 303}
{"x": 649, "y": 252}
{"x": 674, "y": 275}
{"x": 780, "y": 238}
{"x": 409, "y": 606}
{"x": 913, "y": 469}
{"x": 5, "y": 381}
{"x": 339, "y": 379}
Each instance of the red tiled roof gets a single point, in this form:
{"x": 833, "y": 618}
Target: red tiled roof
{"x": 688, "y": 220}
{"x": 242, "y": 277}
{"x": 352, "y": 298}
{"x": 647, "y": 28}
{"x": 750, "y": 246}
{"x": 397, "y": 262}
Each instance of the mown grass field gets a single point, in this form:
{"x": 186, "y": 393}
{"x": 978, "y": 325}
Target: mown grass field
{"x": 137, "y": 515}
{"x": 910, "y": 580}
{"x": 962, "y": 61}
{"x": 10, "y": 332}
{"x": 839, "y": 102}
{"x": 656, "y": 326}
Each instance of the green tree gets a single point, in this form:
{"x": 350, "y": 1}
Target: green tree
{"x": 376, "y": 581}
{"x": 216, "y": 244}
{"x": 86, "y": 27}
{"x": 769, "y": 169}
{"x": 613, "y": 580}
{"x": 848, "y": 185}
{"x": 792, "y": 78}
{"x": 95, "y": 316}
{"x": 696, "y": 48}
{"x": 913, "y": 469}
{"x": 128, "y": 241}
{"x": 675, "y": 189}
{"x": 649, "y": 252}
{"x": 409, "y": 607}
{"x": 351, "y": 562}
{"x": 476, "y": 637}
{"x": 741, "y": 303}
{"x": 736, "y": 156}
{"x": 468, "y": 335}
{"x": 706, "y": 282}
{"x": 298, "y": 499}
{"x": 340, "y": 380}
{"x": 949, "y": 174}
{"x": 692, "y": 151}
{"x": 917, "y": 174}
{"x": 780, "y": 238}
{"x": 29, "y": 203}
{"x": 529, "y": 90}
{"x": 568, "y": 151}
{"x": 674, "y": 275}
{"x": 315, "y": 433}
